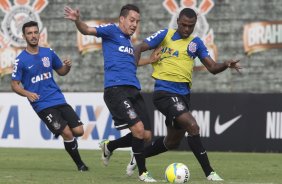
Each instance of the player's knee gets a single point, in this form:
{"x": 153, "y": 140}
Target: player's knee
{"x": 138, "y": 130}
{"x": 172, "y": 145}
{"x": 67, "y": 133}
{"x": 139, "y": 133}
{"x": 193, "y": 129}
{"x": 78, "y": 131}
{"x": 78, "y": 134}
{"x": 147, "y": 136}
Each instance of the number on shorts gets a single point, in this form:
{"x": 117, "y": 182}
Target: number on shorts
{"x": 126, "y": 104}
{"x": 49, "y": 118}
{"x": 175, "y": 99}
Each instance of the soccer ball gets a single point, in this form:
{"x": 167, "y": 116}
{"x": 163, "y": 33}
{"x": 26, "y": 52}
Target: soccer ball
{"x": 177, "y": 173}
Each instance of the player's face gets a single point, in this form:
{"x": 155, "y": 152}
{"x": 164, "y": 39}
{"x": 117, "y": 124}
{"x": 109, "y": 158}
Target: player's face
{"x": 186, "y": 26}
{"x": 130, "y": 22}
{"x": 31, "y": 35}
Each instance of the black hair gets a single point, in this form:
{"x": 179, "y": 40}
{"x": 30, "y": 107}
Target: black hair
{"x": 126, "y": 8}
{"x": 29, "y": 24}
{"x": 188, "y": 12}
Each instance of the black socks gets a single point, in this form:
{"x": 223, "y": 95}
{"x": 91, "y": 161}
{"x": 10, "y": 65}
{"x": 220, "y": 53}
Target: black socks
{"x": 138, "y": 149}
{"x": 155, "y": 148}
{"x": 123, "y": 142}
{"x": 200, "y": 153}
{"x": 71, "y": 147}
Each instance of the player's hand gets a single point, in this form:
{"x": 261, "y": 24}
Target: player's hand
{"x": 71, "y": 14}
{"x": 233, "y": 64}
{"x": 32, "y": 96}
{"x": 67, "y": 62}
{"x": 156, "y": 55}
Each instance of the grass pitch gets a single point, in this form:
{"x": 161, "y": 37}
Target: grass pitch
{"x": 54, "y": 166}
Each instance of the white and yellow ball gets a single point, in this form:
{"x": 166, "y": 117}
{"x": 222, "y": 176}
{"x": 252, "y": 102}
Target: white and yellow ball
{"x": 177, "y": 173}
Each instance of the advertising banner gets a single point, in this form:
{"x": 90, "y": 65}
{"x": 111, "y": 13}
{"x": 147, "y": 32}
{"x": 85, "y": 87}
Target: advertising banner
{"x": 261, "y": 36}
{"x": 21, "y": 127}
{"x": 228, "y": 122}
{"x": 233, "y": 122}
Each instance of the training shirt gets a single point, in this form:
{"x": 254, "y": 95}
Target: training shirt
{"x": 119, "y": 62}
{"x": 173, "y": 73}
{"x": 35, "y": 72}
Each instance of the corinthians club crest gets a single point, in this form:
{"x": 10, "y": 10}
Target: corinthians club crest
{"x": 16, "y": 15}
{"x": 17, "y": 12}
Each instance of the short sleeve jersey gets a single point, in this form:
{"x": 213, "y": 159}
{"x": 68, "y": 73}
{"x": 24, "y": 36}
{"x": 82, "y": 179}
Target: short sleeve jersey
{"x": 119, "y": 62}
{"x": 35, "y": 72}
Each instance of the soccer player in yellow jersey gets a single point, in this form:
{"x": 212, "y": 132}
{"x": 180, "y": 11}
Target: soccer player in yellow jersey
{"x": 173, "y": 75}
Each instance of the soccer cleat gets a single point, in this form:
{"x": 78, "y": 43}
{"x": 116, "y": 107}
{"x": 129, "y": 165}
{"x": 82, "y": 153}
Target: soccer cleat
{"x": 83, "y": 168}
{"x": 146, "y": 177}
{"x": 131, "y": 166}
{"x": 106, "y": 154}
{"x": 214, "y": 177}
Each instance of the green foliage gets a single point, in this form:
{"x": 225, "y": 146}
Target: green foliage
{"x": 46, "y": 166}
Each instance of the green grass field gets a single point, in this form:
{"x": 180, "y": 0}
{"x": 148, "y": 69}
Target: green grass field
{"x": 54, "y": 166}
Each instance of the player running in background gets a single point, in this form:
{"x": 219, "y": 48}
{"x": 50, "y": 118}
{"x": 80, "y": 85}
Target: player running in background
{"x": 33, "y": 68}
{"x": 173, "y": 75}
{"x": 122, "y": 88}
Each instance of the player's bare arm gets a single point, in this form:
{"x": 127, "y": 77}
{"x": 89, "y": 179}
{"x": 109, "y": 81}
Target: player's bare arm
{"x": 215, "y": 68}
{"x": 154, "y": 57}
{"x": 64, "y": 70}
{"x": 137, "y": 53}
{"x": 15, "y": 85}
{"x": 74, "y": 15}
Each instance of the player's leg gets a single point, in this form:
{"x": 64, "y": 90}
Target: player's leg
{"x": 188, "y": 122}
{"x": 162, "y": 101}
{"x": 73, "y": 129}
{"x": 165, "y": 103}
{"x": 53, "y": 119}
{"x": 140, "y": 107}
{"x": 116, "y": 101}
{"x": 141, "y": 132}
{"x": 71, "y": 146}
{"x": 138, "y": 151}
{"x": 169, "y": 142}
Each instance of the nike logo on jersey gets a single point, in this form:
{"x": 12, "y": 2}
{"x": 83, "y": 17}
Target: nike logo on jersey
{"x": 220, "y": 128}
{"x": 30, "y": 66}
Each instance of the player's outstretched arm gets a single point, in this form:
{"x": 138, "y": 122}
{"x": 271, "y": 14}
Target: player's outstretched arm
{"x": 74, "y": 15}
{"x": 215, "y": 68}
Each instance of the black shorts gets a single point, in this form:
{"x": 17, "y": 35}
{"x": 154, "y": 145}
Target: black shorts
{"x": 171, "y": 105}
{"x": 127, "y": 106}
{"x": 58, "y": 117}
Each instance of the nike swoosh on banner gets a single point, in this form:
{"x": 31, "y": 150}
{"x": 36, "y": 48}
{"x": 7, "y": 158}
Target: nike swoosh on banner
{"x": 220, "y": 128}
